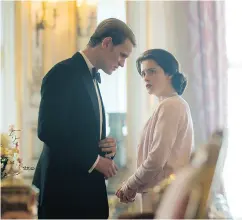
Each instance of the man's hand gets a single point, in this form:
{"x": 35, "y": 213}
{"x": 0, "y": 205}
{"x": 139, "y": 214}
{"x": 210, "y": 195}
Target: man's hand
{"x": 109, "y": 146}
{"x": 107, "y": 167}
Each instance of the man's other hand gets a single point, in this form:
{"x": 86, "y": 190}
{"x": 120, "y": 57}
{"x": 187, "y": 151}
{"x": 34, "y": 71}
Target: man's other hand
{"x": 107, "y": 167}
{"x": 109, "y": 146}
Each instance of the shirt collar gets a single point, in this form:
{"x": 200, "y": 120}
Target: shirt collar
{"x": 88, "y": 62}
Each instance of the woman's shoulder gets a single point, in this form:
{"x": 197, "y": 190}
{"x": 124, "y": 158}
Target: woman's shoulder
{"x": 173, "y": 101}
{"x": 173, "y": 104}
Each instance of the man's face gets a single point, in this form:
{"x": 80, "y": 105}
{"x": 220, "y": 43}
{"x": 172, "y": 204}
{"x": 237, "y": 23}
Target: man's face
{"x": 115, "y": 56}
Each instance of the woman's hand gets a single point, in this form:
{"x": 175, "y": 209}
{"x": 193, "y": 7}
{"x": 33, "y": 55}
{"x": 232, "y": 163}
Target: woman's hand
{"x": 126, "y": 194}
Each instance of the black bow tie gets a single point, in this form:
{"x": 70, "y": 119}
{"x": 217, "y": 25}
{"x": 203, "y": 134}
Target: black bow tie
{"x": 96, "y": 75}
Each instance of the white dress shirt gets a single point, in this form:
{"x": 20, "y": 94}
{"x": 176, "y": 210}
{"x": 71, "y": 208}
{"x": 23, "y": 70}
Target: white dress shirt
{"x": 90, "y": 66}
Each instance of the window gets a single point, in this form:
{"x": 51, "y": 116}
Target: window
{"x": 113, "y": 88}
{"x": 233, "y": 163}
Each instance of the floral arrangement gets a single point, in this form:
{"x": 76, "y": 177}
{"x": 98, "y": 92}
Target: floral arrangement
{"x": 11, "y": 163}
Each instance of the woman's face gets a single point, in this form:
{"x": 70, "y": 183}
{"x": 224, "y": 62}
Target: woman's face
{"x": 156, "y": 81}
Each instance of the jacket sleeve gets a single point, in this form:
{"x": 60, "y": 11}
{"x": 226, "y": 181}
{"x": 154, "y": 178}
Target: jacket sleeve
{"x": 55, "y": 124}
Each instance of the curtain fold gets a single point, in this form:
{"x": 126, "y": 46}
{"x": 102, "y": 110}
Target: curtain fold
{"x": 209, "y": 64}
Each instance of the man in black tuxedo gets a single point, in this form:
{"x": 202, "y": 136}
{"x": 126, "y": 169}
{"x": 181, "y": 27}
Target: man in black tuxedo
{"x": 77, "y": 156}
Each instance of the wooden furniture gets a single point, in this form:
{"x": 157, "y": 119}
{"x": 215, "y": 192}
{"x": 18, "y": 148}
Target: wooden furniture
{"x": 18, "y": 199}
{"x": 188, "y": 196}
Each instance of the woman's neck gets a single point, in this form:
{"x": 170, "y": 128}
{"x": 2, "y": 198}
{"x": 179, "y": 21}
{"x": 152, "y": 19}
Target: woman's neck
{"x": 167, "y": 94}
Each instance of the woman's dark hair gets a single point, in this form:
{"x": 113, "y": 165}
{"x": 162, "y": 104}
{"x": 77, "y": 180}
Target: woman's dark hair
{"x": 169, "y": 64}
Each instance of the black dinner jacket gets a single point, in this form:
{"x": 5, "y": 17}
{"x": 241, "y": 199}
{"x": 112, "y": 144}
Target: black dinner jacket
{"x": 69, "y": 126}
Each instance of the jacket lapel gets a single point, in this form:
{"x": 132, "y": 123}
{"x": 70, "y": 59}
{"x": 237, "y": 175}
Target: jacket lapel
{"x": 104, "y": 117}
{"x": 82, "y": 69}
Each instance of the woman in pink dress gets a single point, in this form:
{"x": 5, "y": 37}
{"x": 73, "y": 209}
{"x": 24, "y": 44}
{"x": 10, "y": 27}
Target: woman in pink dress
{"x": 167, "y": 139}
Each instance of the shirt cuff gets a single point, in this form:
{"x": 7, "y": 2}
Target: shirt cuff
{"x": 94, "y": 165}
{"x": 132, "y": 183}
